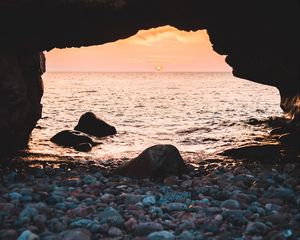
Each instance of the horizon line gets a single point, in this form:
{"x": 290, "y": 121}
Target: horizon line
{"x": 138, "y": 71}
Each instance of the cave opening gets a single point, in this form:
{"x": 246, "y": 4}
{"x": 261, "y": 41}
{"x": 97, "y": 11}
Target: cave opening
{"x": 120, "y": 83}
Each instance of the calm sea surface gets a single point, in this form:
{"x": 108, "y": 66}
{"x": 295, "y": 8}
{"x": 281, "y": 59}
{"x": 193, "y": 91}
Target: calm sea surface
{"x": 200, "y": 113}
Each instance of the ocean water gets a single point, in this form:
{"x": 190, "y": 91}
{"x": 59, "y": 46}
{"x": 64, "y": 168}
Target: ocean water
{"x": 199, "y": 113}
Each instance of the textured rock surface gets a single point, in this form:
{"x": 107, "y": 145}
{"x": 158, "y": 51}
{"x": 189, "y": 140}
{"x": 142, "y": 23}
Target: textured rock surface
{"x": 156, "y": 161}
{"x": 21, "y": 89}
{"x": 260, "y": 39}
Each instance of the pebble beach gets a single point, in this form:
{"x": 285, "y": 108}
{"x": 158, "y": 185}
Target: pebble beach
{"x": 221, "y": 199}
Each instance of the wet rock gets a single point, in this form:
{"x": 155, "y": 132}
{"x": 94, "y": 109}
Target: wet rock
{"x": 186, "y": 235}
{"x": 256, "y": 228}
{"x": 76, "y": 234}
{"x": 70, "y": 138}
{"x": 231, "y": 204}
{"x": 281, "y": 193}
{"x": 156, "y": 161}
{"x": 83, "y": 147}
{"x": 161, "y": 235}
{"x": 143, "y": 229}
{"x": 235, "y": 217}
{"x": 111, "y": 216}
{"x": 254, "y": 152}
{"x": 89, "y": 123}
{"x": 28, "y": 235}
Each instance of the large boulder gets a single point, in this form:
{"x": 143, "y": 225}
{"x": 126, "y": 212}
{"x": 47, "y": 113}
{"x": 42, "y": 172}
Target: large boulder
{"x": 89, "y": 123}
{"x": 156, "y": 161}
{"x": 71, "y": 138}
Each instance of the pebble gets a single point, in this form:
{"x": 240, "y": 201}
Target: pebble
{"x": 256, "y": 228}
{"x": 175, "y": 197}
{"x": 143, "y": 229}
{"x": 231, "y": 204}
{"x": 161, "y": 235}
{"x": 111, "y": 216}
{"x": 115, "y": 232}
{"x": 170, "y": 207}
{"x": 76, "y": 234}
{"x": 28, "y": 235}
{"x": 88, "y": 179}
{"x": 149, "y": 201}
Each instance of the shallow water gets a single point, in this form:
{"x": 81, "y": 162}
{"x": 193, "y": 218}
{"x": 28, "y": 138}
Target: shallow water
{"x": 200, "y": 113}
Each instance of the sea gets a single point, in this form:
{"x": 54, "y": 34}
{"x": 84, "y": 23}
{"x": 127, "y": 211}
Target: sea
{"x": 199, "y": 113}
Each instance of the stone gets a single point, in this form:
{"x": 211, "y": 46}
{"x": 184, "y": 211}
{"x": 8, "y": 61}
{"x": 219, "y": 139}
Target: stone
{"x": 231, "y": 204}
{"x": 89, "y": 123}
{"x": 254, "y": 152}
{"x": 175, "y": 197}
{"x": 256, "y": 228}
{"x": 70, "y": 138}
{"x": 115, "y": 232}
{"x": 9, "y": 234}
{"x": 143, "y": 229}
{"x": 170, "y": 207}
{"x": 82, "y": 223}
{"x": 76, "y": 234}
{"x": 89, "y": 179}
{"x": 130, "y": 224}
{"x": 111, "y": 216}
{"x": 149, "y": 201}
{"x": 161, "y": 235}
{"x": 14, "y": 196}
{"x": 156, "y": 161}
{"x": 83, "y": 147}
{"x": 28, "y": 235}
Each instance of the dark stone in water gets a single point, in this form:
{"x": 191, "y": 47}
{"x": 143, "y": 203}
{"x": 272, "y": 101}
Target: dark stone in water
{"x": 70, "y": 138}
{"x": 156, "y": 161}
{"x": 83, "y": 147}
{"x": 254, "y": 152}
{"x": 89, "y": 123}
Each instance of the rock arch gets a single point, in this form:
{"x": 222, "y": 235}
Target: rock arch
{"x": 260, "y": 39}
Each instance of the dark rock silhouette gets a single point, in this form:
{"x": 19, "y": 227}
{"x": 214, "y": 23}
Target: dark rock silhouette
{"x": 263, "y": 49}
{"x": 264, "y": 152}
{"x": 70, "y": 138}
{"x": 89, "y": 123}
{"x": 83, "y": 147}
{"x": 156, "y": 161}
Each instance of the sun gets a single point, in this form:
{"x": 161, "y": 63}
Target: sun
{"x": 159, "y": 68}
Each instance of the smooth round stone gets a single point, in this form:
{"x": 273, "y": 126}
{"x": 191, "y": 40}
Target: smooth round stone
{"x": 130, "y": 224}
{"x": 161, "y": 235}
{"x": 149, "y": 201}
{"x": 186, "y": 235}
{"x": 76, "y": 234}
{"x": 256, "y": 228}
{"x": 28, "y": 235}
{"x": 231, "y": 204}
{"x": 143, "y": 229}
{"x": 176, "y": 207}
{"x": 111, "y": 216}
{"x": 82, "y": 223}
{"x": 115, "y": 232}
{"x": 88, "y": 179}
{"x": 8, "y": 234}
{"x": 14, "y": 196}
{"x": 107, "y": 198}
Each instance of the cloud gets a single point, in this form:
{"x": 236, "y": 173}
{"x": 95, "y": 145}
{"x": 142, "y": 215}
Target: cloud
{"x": 169, "y": 34}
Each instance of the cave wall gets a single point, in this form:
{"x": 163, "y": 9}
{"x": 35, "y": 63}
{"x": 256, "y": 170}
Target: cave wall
{"x": 21, "y": 89}
{"x": 260, "y": 39}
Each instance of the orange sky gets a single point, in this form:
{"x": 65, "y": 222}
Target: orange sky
{"x": 168, "y": 47}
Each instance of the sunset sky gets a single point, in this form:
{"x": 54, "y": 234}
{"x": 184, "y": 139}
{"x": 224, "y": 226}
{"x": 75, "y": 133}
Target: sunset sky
{"x": 165, "y": 47}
